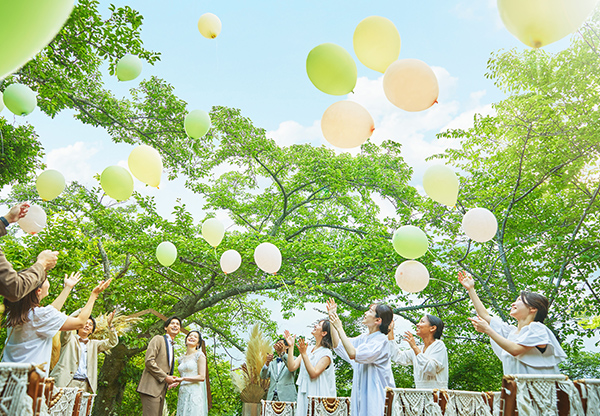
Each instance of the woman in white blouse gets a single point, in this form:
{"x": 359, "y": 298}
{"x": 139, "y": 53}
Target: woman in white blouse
{"x": 528, "y": 348}
{"x": 317, "y": 373}
{"x": 430, "y": 360}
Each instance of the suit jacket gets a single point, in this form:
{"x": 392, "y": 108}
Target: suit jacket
{"x": 15, "y": 285}
{"x": 69, "y": 358}
{"x": 156, "y": 368}
{"x": 281, "y": 381}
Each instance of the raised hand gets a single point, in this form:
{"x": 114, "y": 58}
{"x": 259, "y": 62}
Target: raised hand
{"x": 269, "y": 359}
{"x": 480, "y": 324}
{"x": 101, "y": 287}
{"x": 72, "y": 280}
{"x": 331, "y": 306}
{"x": 47, "y": 259}
{"x": 17, "y": 212}
{"x": 408, "y": 337}
{"x": 334, "y": 319}
{"x": 302, "y": 346}
{"x": 110, "y": 318}
{"x": 466, "y": 280}
{"x": 290, "y": 339}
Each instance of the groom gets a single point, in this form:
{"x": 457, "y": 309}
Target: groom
{"x": 158, "y": 369}
{"x": 281, "y": 387}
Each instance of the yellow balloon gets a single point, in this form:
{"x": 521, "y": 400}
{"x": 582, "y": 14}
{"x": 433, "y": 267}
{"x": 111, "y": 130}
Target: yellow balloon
{"x": 376, "y": 43}
{"x": 410, "y": 84}
{"x": 347, "y": 124}
{"x": 209, "y": 25}
{"x": 213, "y": 231}
{"x": 441, "y": 184}
{"x": 117, "y": 182}
{"x": 50, "y": 184}
{"x": 166, "y": 253}
{"x": 129, "y": 67}
{"x": 538, "y": 23}
{"x": 145, "y": 164}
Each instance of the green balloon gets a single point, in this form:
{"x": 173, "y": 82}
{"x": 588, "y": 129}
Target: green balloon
{"x": 166, "y": 253}
{"x": 26, "y": 27}
{"x": 410, "y": 242}
{"x": 117, "y": 182}
{"x": 196, "y": 123}
{"x": 19, "y": 99}
{"x": 331, "y": 69}
{"x": 129, "y": 67}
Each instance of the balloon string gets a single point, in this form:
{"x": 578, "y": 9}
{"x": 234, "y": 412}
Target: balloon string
{"x": 216, "y": 258}
{"x": 442, "y": 281}
{"x": 286, "y": 286}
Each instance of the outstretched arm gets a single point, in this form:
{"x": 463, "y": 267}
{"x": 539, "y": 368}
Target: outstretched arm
{"x": 511, "y": 347}
{"x": 337, "y": 324}
{"x": 332, "y": 308}
{"x": 469, "y": 284}
{"x": 292, "y": 363}
{"x": 70, "y": 282}
{"x": 78, "y": 322}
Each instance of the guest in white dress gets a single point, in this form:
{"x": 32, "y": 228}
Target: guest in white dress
{"x": 31, "y": 326}
{"x": 528, "y": 348}
{"x": 369, "y": 355}
{"x": 192, "y": 399}
{"x": 317, "y": 373}
{"x": 430, "y": 360}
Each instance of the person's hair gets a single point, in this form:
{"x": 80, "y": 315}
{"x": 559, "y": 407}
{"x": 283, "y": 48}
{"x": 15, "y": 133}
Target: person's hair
{"x": 168, "y": 321}
{"x": 93, "y": 325}
{"x": 438, "y": 323}
{"x": 199, "y": 337}
{"x": 385, "y": 313}
{"x": 284, "y": 342}
{"x": 326, "y": 341}
{"x": 15, "y": 313}
{"x": 537, "y": 301}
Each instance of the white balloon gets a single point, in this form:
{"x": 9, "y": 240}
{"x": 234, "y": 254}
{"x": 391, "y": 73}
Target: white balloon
{"x": 213, "y": 231}
{"x": 267, "y": 257}
{"x": 480, "y": 225}
{"x": 412, "y": 276}
{"x": 34, "y": 221}
{"x": 230, "y": 261}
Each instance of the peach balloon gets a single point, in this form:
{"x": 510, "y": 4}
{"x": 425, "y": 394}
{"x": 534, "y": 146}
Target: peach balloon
{"x": 412, "y": 276}
{"x": 347, "y": 124}
{"x": 411, "y": 85}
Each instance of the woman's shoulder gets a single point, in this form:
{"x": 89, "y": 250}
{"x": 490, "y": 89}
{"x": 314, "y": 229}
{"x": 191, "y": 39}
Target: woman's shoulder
{"x": 43, "y": 313}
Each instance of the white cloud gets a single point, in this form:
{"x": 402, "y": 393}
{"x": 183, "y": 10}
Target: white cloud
{"x": 291, "y": 132}
{"x": 73, "y": 161}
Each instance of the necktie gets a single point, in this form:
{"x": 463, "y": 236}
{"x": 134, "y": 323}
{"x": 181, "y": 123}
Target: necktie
{"x": 279, "y": 359}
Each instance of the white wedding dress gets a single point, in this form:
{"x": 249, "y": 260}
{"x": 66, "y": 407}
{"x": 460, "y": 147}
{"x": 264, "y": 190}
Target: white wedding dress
{"x": 192, "y": 396}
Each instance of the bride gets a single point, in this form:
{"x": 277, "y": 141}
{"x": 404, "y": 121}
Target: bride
{"x": 192, "y": 399}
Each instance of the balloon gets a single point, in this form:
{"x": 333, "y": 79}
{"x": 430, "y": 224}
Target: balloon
{"x": 347, "y": 124}
{"x": 230, "y": 261}
{"x": 50, "y": 184}
{"x": 267, "y": 257}
{"x": 410, "y": 242}
{"x": 1, "y": 101}
{"x": 166, "y": 253}
{"x": 129, "y": 67}
{"x": 196, "y": 123}
{"x": 480, "y": 224}
{"x": 376, "y": 43}
{"x": 537, "y": 23}
{"x": 209, "y": 25}
{"x": 331, "y": 69}
{"x": 26, "y": 27}
{"x": 441, "y": 184}
{"x": 34, "y": 221}
{"x": 117, "y": 182}
{"x": 213, "y": 231}
{"x": 19, "y": 99}
{"x": 145, "y": 164}
{"x": 411, "y": 85}
{"x": 412, "y": 276}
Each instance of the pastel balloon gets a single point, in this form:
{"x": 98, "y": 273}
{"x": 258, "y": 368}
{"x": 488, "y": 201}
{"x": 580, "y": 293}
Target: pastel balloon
{"x": 480, "y": 225}
{"x": 410, "y": 84}
{"x": 230, "y": 261}
{"x": 537, "y": 23}
{"x": 209, "y": 25}
{"x": 331, "y": 69}
{"x": 410, "y": 242}
{"x": 145, "y": 164}
{"x": 441, "y": 184}
{"x": 166, "y": 253}
{"x": 347, "y": 124}
{"x": 213, "y": 231}
{"x": 26, "y": 27}
{"x": 34, "y": 221}
{"x": 1, "y": 101}
{"x": 267, "y": 257}
{"x": 196, "y": 123}
{"x": 376, "y": 43}
{"x": 117, "y": 182}
{"x": 129, "y": 67}
{"x": 412, "y": 276}
{"x": 19, "y": 99}
{"x": 50, "y": 184}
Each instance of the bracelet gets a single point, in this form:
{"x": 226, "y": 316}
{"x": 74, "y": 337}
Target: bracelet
{"x": 5, "y": 221}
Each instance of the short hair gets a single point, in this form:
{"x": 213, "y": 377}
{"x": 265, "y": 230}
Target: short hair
{"x": 438, "y": 323}
{"x": 168, "y": 321}
{"x": 93, "y": 325}
{"x": 284, "y": 341}
{"x": 537, "y": 301}
{"x": 199, "y": 337}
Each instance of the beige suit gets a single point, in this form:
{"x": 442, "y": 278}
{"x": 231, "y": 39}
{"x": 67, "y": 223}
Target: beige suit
{"x": 14, "y": 286}
{"x": 153, "y": 387}
{"x": 69, "y": 358}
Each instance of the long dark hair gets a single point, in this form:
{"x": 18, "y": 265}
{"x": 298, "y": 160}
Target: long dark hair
{"x": 385, "y": 313}
{"x": 438, "y": 323}
{"x": 199, "y": 338}
{"x": 326, "y": 341}
{"x": 15, "y": 313}
{"x": 537, "y": 301}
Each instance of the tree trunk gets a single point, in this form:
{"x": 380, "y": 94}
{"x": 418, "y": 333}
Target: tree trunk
{"x": 110, "y": 385}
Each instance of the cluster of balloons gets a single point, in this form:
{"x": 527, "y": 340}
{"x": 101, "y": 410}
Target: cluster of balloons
{"x": 538, "y": 23}
{"x": 411, "y": 243}
{"x": 266, "y": 256}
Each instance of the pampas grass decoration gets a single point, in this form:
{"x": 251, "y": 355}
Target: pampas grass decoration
{"x": 121, "y": 323}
